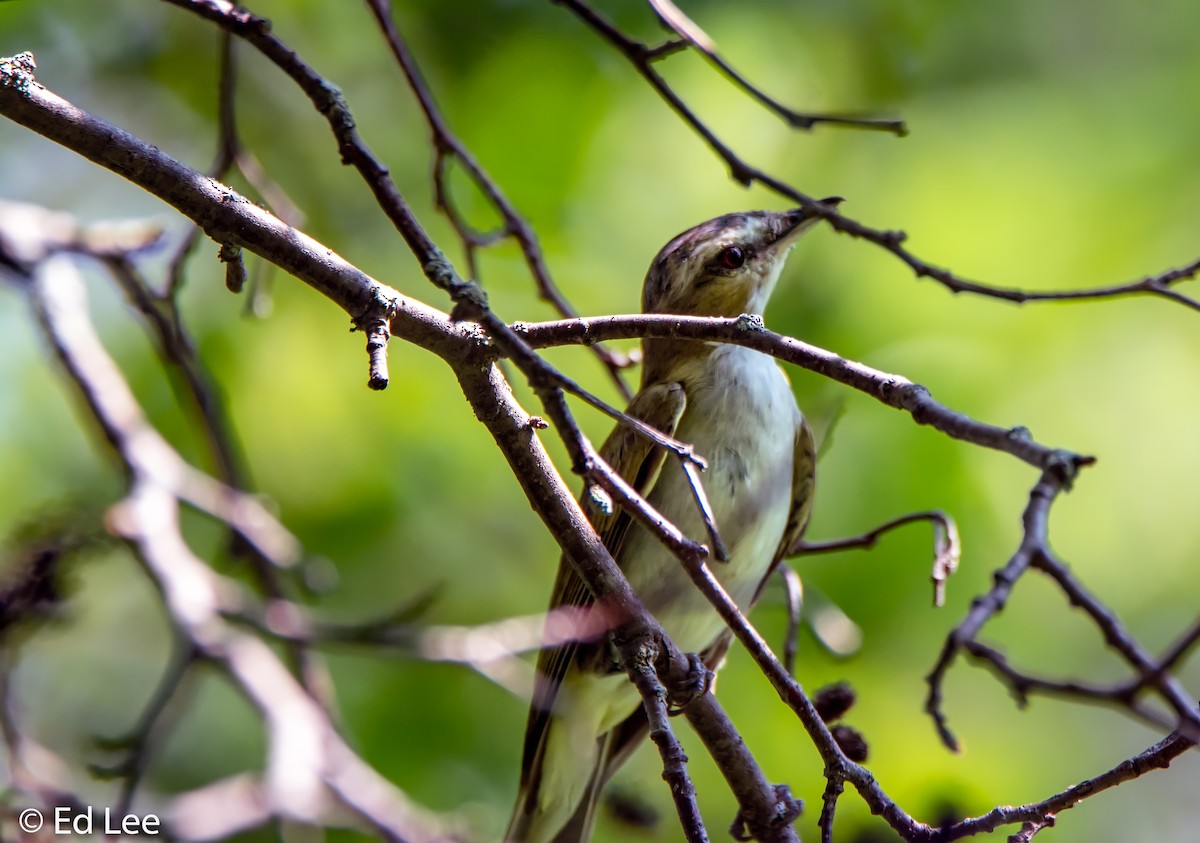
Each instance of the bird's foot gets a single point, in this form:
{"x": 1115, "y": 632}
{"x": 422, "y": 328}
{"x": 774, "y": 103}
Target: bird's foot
{"x": 787, "y": 809}
{"x": 687, "y": 683}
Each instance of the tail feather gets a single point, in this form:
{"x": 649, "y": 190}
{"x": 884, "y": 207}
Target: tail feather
{"x": 560, "y": 785}
{"x": 561, "y": 780}
{"x": 579, "y": 827}
{"x": 529, "y": 823}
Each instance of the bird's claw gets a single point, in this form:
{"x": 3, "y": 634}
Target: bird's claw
{"x": 786, "y": 811}
{"x": 686, "y": 686}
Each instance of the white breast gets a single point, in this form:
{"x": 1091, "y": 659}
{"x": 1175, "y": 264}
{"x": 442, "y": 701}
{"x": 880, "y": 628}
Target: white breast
{"x": 742, "y": 418}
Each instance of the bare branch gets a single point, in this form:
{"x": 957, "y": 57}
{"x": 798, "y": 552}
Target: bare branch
{"x": 510, "y": 427}
{"x": 654, "y": 700}
{"x": 308, "y": 763}
{"x": 470, "y": 301}
{"x": 892, "y": 390}
{"x": 447, "y": 147}
{"x": 691, "y": 34}
{"x": 1034, "y": 553}
{"x": 834, "y": 787}
{"x": 1157, "y": 757}
{"x": 139, "y": 742}
{"x": 983, "y": 608}
{"x": 1118, "y": 638}
{"x": 642, "y": 58}
{"x": 1021, "y": 685}
{"x": 311, "y": 774}
{"x": 947, "y": 550}
{"x": 227, "y": 217}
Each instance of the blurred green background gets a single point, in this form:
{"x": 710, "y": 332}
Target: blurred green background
{"x": 1053, "y": 145}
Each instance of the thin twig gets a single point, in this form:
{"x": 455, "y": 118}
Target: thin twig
{"x": 308, "y": 763}
{"x": 230, "y": 153}
{"x": 1157, "y": 757}
{"x": 1021, "y": 685}
{"x": 834, "y": 787}
{"x": 691, "y": 34}
{"x": 1118, "y": 638}
{"x": 985, "y": 607}
{"x": 720, "y": 551}
{"x": 446, "y": 147}
{"x": 642, "y": 58}
{"x": 148, "y": 513}
{"x": 138, "y": 743}
{"x": 1176, "y": 653}
{"x": 892, "y": 390}
{"x": 947, "y": 550}
{"x": 470, "y": 301}
{"x": 674, "y": 760}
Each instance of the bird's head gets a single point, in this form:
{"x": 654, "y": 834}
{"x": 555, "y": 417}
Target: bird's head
{"x": 726, "y": 266}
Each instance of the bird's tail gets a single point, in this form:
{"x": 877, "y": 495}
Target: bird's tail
{"x": 559, "y": 792}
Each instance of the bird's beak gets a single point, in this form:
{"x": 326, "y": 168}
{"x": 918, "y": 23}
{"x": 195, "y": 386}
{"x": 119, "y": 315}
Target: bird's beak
{"x": 795, "y": 222}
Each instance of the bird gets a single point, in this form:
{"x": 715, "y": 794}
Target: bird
{"x": 735, "y": 406}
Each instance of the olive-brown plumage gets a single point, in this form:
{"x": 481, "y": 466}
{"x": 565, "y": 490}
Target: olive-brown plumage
{"x": 736, "y": 407}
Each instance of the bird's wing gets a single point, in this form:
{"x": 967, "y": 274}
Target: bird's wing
{"x": 638, "y": 461}
{"x": 628, "y": 735}
{"x": 804, "y": 473}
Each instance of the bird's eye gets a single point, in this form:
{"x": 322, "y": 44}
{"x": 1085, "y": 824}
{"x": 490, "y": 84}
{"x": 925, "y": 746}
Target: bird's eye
{"x": 732, "y": 257}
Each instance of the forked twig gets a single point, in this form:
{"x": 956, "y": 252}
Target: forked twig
{"x": 947, "y": 550}
{"x": 692, "y": 35}
{"x": 643, "y": 58}
{"x": 447, "y": 147}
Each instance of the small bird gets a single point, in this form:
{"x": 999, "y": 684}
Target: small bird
{"x": 736, "y": 407}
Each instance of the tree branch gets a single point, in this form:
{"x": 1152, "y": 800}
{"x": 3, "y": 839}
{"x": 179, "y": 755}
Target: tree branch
{"x": 307, "y": 760}
{"x": 947, "y": 550}
{"x": 692, "y": 35}
{"x": 893, "y": 390}
{"x": 642, "y": 58}
{"x": 446, "y": 147}
{"x": 310, "y": 767}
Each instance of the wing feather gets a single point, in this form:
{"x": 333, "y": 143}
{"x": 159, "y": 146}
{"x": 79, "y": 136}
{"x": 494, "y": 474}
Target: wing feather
{"x": 804, "y": 477}
{"x": 626, "y": 737}
{"x": 638, "y": 462}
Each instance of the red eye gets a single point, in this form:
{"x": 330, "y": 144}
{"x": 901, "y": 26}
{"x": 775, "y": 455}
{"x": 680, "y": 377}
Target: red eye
{"x": 732, "y": 257}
